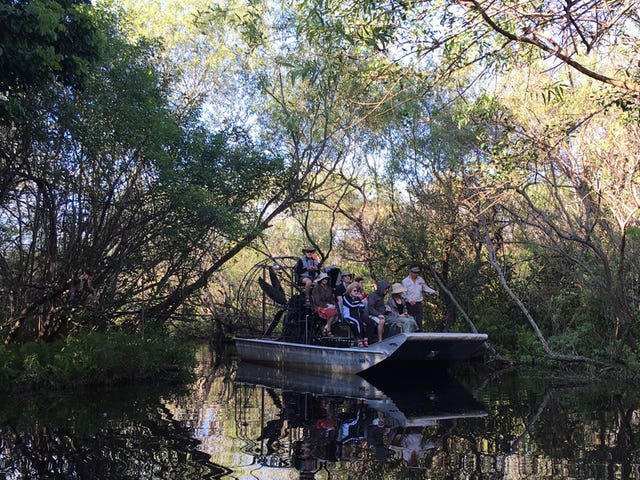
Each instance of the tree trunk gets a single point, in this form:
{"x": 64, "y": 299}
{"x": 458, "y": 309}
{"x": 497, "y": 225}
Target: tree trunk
{"x": 543, "y": 342}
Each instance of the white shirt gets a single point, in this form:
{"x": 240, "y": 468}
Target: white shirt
{"x": 415, "y": 289}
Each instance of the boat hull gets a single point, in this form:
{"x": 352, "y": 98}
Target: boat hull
{"x": 406, "y": 350}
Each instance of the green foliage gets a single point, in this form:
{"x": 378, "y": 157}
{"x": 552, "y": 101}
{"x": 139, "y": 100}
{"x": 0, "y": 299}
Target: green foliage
{"x": 216, "y": 179}
{"x": 93, "y": 359}
{"x": 134, "y": 194}
{"x": 107, "y": 166}
{"x": 580, "y": 340}
{"x": 43, "y": 42}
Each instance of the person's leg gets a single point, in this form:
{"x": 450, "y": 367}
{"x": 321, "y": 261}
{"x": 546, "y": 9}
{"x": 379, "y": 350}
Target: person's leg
{"x": 330, "y": 323}
{"x": 418, "y": 316}
{"x": 409, "y": 325}
{"x": 307, "y": 290}
{"x": 381, "y": 329}
{"x": 354, "y": 326}
{"x": 371, "y": 327}
{"x": 390, "y": 328}
{"x": 415, "y": 311}
{"x": 330, "y": 318}
{"x": 362, "y": 328}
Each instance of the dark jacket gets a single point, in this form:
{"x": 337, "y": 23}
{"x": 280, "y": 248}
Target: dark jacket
{"x": 301, "y": 269}
{"x": 397, "y": 309}
{"x": 355, "y": 307}
{"x": 322, "y": 295}
{"x": 376, "y": 303}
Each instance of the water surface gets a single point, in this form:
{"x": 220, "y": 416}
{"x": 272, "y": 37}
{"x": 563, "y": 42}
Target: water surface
{"x": 246, "y": 422}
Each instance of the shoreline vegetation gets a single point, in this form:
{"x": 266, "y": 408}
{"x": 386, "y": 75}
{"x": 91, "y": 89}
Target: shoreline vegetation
{"x": 98, "y": 359}
{"x": 95, "y": 359}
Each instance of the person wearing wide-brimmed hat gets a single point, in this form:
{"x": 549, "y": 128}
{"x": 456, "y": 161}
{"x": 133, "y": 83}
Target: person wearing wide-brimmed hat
{"x": 398, "y": 309}
{"x": 325, "y": 302}
{"x": 306, "y": 270}
{"x": 354, "y": 312}
{"x": 416, "y": 286}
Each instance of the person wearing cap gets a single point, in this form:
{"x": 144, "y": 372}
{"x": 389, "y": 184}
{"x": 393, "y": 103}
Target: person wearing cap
{"x": 325, "y": 303}
{"x": 398, "y": 307}
{"x": 354, "y": 312}
{"x": 344, "y": 283}
{"x": 306, "y": 270}
{"x": 416, "y": 286}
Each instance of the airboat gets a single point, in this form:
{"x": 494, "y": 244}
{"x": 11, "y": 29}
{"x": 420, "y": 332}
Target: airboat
{"x": 293, "y": 337}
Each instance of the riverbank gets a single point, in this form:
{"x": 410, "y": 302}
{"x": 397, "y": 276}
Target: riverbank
{"x": 92, "y": 359}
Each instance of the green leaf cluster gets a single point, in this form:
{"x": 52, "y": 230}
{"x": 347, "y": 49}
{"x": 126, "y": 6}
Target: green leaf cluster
{"x": 94, "y": 359}
{"x": 43, "y": 42}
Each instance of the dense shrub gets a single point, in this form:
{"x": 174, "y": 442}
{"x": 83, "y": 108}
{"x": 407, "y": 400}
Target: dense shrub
{"x": 93, "y": 359}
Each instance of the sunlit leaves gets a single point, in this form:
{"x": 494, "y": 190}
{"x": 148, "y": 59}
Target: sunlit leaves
{"x": 43, "y": 43}
{"x": 219, "y": 179}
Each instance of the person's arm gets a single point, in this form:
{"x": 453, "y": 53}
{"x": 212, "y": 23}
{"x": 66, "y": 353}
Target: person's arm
{"x": 405, "y": 311}
{"x": 348, "y": 302}
{"x": 393, "y": 306}
{"x": 427, "y": 289}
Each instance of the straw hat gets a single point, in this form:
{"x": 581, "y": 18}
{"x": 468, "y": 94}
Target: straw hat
{"x": 351, "y": 288}
{"x": 397, "y": 288}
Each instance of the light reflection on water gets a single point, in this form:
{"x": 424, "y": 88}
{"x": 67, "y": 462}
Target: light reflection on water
{"x": 246, "y": 422}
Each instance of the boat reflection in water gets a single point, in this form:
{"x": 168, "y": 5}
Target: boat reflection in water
{"x": 317, "y": 422}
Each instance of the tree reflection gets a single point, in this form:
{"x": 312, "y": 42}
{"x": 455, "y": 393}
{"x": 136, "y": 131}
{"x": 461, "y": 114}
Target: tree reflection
{"x": 282, "y": 426}
{"x": 126, "y": 435}
{"x": 530, "y": 429}
{"x": 364, "y": 435}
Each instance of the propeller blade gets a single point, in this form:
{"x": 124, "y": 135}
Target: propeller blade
{"x": 272, "y": 293}
{"x": 275, "y": 282}
{"x": 274, "y": 322}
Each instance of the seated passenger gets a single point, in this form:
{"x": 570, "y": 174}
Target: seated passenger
{"x": 306, "y": 270}
{"x": 341, "y": 288}
{"x": 378, "y": 309}
{"x": 398, "y": 309}
{"x": 363, "y": 293}
{"x": 325, "y": 303}
{"x": 354, "y": 313}
{"x": 345, "y": 281}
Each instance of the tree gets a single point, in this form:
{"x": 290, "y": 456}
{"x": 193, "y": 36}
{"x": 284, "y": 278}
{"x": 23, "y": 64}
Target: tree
{"x": 113, "y": 202}
{"x": 497, "y": 58}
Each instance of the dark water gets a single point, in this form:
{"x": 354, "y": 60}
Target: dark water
{"x": 243, "y": 422}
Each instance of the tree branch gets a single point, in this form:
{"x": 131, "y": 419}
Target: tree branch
{"x": 552, "y": 48}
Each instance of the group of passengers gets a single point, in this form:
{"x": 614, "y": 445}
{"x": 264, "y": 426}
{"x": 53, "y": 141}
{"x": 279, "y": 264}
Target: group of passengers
{"x": 370, "y": 315}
